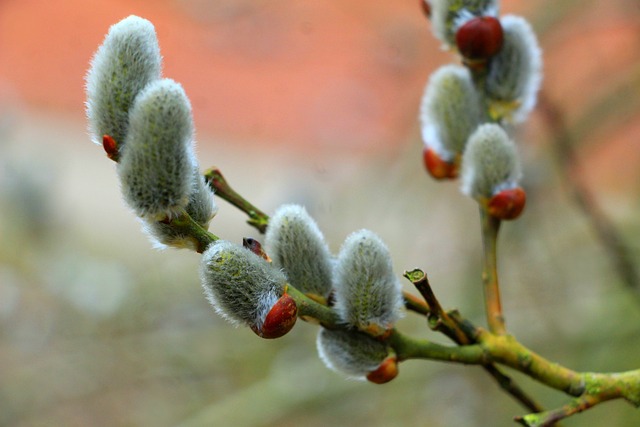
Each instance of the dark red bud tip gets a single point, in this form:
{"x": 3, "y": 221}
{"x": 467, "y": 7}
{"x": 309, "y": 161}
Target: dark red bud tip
{"x": 256, "y": 247}
{"x": 387, "y": 371}
{"x": 507, "y": 204}
{"x": 426, "y": 8}
{"x": 110, "y": 147}
{"x": 438, "y": 168}
{"x": 280, "y": 319}
{"x": 480, "y": 38}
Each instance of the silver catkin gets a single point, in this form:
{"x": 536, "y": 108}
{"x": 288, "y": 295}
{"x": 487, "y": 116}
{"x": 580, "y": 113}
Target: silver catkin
{"x": 127, "y": 61}
{"x": 514, "y": 74}
{"x": 156, "y": 169}
{"x": 241, "y": 286}
{"x": 450, "y": 111}
{"x": 490, "y": 162}
{"x": 368, "y": 295}
{"x": 349, "y": 352}
{"x": 296, "y": 245}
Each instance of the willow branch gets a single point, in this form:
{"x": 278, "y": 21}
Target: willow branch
{"x": 221, "y": 187}
{"x": 415, "y": 304}
{"x": 493, "y": 307}
{"x": 588, "y": 389}
{"x": 438, "y": 319}
{"x": 450, "y": 326}
{"x": 599, "y": 388}
{"x": 550, "y": 418}
{"x": 184, "y": 225}
{"x": 476, "y": 346}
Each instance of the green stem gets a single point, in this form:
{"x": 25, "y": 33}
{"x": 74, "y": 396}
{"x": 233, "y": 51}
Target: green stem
{"x": 415, "y": 304}
{"x": 448, "y": 324}
{"x": 598, "y": 388}
{"x": 187, "y": 226}
{"x": 550, "y": 418}
{"x": 311, "y": 310}
{"x": 490, "y": 227}
{"x": 221, "y": 187}
{"x": 411, "y": 348}
{"x": 588, "y": 388}
{"x": 438, "y": 319}
{"x": 506, "y": 350}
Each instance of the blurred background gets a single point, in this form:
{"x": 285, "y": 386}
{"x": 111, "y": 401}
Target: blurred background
{"x": 313, "y": 102}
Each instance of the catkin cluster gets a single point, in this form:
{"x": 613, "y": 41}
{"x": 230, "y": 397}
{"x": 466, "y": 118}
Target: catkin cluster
{"x": 144, "y": 123}
{"x": 359, "y": 284}
{"x": 465, "y": 107}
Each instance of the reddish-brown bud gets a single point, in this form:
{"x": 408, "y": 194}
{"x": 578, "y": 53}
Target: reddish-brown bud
{"x": 480, "y": 38}
{"x": 426, "y": 8}
{"x": 280, "y": 319}
{"x": 256, "y": 247}
{"x": 387, "y": 371}
{"x": 110, "y": 147}
{"x": 507, "y": 204}
{"x": 438, "y": 168}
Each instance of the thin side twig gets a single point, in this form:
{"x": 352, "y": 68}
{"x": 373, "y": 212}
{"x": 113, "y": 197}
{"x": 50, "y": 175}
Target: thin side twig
{"x": 448, "y": 324}
{"x": 221, "y": 187}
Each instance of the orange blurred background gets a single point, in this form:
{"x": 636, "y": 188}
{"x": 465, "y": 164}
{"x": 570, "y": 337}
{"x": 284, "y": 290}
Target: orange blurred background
{"x": 312, "y": 74}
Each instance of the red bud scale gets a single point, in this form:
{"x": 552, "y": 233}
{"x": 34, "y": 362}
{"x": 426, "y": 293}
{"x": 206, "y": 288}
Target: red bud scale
{"x": 387, "y": 371}
{"x": 438, "y": 168}
{"x": 426, "y": 8}
{"x": 480, "y": 38}
{"x": 507, "y": 204}
{"x": 280, "y": 319}
{"x": 110, "y": 147}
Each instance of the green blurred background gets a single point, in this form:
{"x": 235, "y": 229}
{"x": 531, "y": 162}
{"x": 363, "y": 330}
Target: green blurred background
{"x": 315, "y": 103}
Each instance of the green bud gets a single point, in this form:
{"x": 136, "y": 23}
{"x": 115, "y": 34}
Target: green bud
{"x": 201, "y": 207}
{"x": 449, "y": 15}
{"x": 514, "y": 75}
{"x": 241, "y": 286}
{"x": 450, "y": 111}
{"x": 156, "y": 168}
{"x": 350, "y": 352}
{"x": 490, "y": 163}
{"x": 368, "y": 295}
{"x": 128, "y": 60}
{"x": 297, "y": 246}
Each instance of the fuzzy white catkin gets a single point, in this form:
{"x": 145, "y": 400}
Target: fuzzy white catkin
{"x": 128, "y": 60}
{"x": 296, "y": 245}
{"x": 515, "y": 74}
{"x": 241, "y": 286}
{"x": 448, "y": 15}
{"x": 350, "y": 353}
{"x": 201, "y": 207}
{"x": 368, "y": 295}
{"x": 490, "y": 162}
{"x": 156, "y": 169}
{"x": 450, "y": 111}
